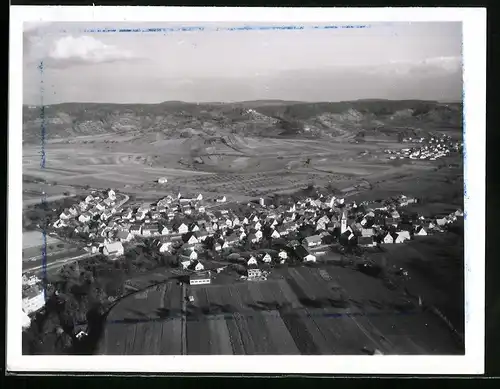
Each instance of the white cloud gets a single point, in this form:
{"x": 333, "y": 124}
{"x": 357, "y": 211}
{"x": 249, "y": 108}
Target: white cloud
{"x": 86, "y": 49}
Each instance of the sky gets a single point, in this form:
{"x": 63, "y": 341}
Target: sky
{"x": 384, "y": 60}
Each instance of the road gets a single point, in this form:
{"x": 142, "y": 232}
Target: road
{"x": 36, "y": 267}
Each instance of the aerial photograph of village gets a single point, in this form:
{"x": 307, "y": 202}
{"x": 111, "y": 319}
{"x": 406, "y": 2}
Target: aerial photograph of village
{"x": 242, "y": 191}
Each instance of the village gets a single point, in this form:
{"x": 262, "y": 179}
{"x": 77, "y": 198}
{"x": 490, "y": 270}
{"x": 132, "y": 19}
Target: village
{"x": 433, "y": 148}
{"x": 206, "y": 236}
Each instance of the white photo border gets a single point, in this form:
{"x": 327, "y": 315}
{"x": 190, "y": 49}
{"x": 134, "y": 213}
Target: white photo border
{"x": 474, "y": 63}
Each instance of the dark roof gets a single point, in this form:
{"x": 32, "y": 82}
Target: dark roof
{"x": 365, "y": 240}
{"x": 200, "y": 276}
{"x": 301, "y": 251}
{"x": 188, "y": 236}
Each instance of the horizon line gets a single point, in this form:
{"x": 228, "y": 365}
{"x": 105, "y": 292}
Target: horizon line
{"x": 451, "y": 101}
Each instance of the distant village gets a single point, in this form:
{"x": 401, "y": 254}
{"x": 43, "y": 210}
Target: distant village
{"x": 196, "y": 231}
{"x": 434, "y": 148}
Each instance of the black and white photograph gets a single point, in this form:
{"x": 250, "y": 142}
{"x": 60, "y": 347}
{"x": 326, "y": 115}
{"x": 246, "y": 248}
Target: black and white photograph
{"x": 223, "y": 186}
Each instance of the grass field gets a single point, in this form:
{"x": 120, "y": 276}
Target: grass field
{"x": 307, "y": 310}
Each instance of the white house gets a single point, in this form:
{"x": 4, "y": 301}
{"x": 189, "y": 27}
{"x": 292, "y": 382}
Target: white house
{"x": 190, "y": 239}
{"x": 283, "y": 254}
{"x": 252, "y": 261}
{"x": 420, "y": 231}
{"x": 245, "y": 220}
{"x": 162, "y": 180}
{"x": 83, "y": 218}
{"x": 257, "y": 225}
{"x": 312, "y": 241}
{"x": 112, "y": 195}
{"x": 197, "y": 279}
{"x": 402, "y": 236}
{"x": 388, "y": 239}
{"x": 25, "y": 320}
{"x": 100, "y": 207}
{"x": 33, "y": 299}
{"x": 185, "y": 263}
{"x": 266, "y": 258}
{"x": 221, "y": 199}
{"x": 441, "y": 221}
{"x": 64, "y": 215}
{"x": 89, "y": 199}
{"x": 165, "y": 247}
{"x": 275, "y": 234}
{"x": 182, "y": 229}
{"x": 113, "y": 249}
{"x": 258, "y": 234}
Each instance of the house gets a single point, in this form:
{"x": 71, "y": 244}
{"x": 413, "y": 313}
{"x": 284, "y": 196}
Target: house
{"x": 420, "y": 231}
{"x": 202, "y": 234}
{"x": 162, "y": 180}
{"x": 190, "y": 238}
{"x": 232, "y": 239}
{"x": 25, "y": 321}
{"x": 33, "y": 299}
{"x": 388, "y": 239}
{"x": 402, "y": 236}
{"x": 312, "y": 241}
{"x": 242, "y": 235}
{"x": 252, "y": 238}
{"x": 236, "y": 221}
{"x": 200, "y": 278}
{"x": 304, "y": 254}
{"x": 163, "y": 230}
{"x": 258, "y": 234}
{"x": 124, "y": 236}
{"x": 245, "y": 221}
{"x": 188, "y": 254}
{"x": 257, "y": 225}
{"x": 228, "y": 223}
{"x": 395, "y": 214}
{"x": 368, "y": 232}
{"x": 185, "y": 263}
{"x": 136, "y": 229}
{"x": 65, "y": 215}
{"x": 459, "y": 212}
{"x": 283, "y": 254}
{"x": 252, "y": 261}
{"x": 266, "y": 258}
{"x": 196, "y": 266}
{"x": 106, "y": 215}
{"x": 84, "y": 218}
{"x": 89, "y": 199}
{"x": 165, "y": 247}
{"x": 73, "y": 211}
{"x": 181, "y": 228}
{"x": 113, "y": 249}
{"x": 193, "y": 227}
{"x": 150, "y": 229}
{"x": 112, "y": 195}
{"x": 221, "y": 199}
{"x": 366, "y": 241}
{"x": 441, "y": 221}
{"x": 253, "y": 273}
{"x": 100, "y": 207}
{"x": 275, "y": 234}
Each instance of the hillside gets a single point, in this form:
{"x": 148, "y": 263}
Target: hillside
{"x": 263, "y": 118}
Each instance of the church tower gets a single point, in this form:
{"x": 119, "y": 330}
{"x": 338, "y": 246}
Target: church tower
{"x": 343, "y": 223}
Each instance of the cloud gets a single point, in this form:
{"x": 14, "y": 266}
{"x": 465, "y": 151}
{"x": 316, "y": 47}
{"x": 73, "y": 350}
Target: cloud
{"x": 69, "y": 51}
{"x": 434, "y": 66}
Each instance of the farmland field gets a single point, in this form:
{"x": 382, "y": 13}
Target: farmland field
{"x": 298, "y": 311}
